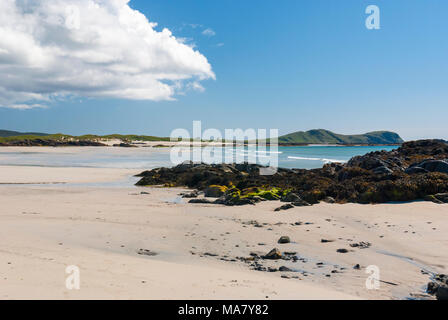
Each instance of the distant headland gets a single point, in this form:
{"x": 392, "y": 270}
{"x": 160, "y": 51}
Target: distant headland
{"x": 321, "y": 136}
{"x": 299, "y": 138}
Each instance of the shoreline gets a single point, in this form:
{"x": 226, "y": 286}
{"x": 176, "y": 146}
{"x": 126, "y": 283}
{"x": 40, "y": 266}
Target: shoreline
{"x": 167, "y": 144}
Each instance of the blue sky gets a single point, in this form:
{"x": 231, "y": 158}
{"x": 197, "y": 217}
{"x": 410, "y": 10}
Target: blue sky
{"x": 289, "y": 64}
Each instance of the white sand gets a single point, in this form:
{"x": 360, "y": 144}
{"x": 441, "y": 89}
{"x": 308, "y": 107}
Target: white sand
{"x": 43, "y": 229}
{"x": 41, "y": 175}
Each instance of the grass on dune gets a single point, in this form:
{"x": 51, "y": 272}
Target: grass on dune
{"x": 88, "y": 137}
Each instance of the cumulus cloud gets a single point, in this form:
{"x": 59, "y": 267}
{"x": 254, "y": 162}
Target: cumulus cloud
{"x": 54, "y": 49}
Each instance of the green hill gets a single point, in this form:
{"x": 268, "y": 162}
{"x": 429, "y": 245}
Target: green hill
{"x": 297, "y": 138}
{"x": 8, "y": 133}
{"x": 13, "y": 138}
{"x": 321, "y": 136}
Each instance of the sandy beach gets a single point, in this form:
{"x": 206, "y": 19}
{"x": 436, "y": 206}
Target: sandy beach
{"x": 252, "y": 151}
{"x": 200, "y": 250}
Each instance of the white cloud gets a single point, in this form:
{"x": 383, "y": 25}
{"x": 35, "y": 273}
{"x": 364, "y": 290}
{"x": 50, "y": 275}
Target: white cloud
{"x": 209, "y": 32}
{"x": 26, "y": 106}
{"x": 51, "y": 49}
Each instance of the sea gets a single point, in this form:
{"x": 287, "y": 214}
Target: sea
{"x": 303, "y": 157}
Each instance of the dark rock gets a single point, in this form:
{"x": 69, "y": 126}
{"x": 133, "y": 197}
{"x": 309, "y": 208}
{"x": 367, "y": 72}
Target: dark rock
{"x": 254, "y": 254}
{"x": 284, "y": 269}
{"x": 443, "y": 278}
{"x": 439, "y": 287}
{"x": 284, "y": 239}
{"x": 205, "y": 201}
{"x": 382, "y": 170}
{"x": 146, "y": 252}
{"x": 361, "y": 245}
{"x": 432, "y": 198}
{"x": 271, "y": 269}
{"x": 438, "y": 198}
{"x": 285, "y": 207}
{"x": 432, "y": 287}
{"x": 124, "y": 145}
{"x": 329, "y": 200}
{"x": 291, "y": 197}
{"x": 274, "y": 254}
{"x": 193, "y": 194}
{"x": 442, "y": 293}
{"x": 415, "y": 170}
{"x": 214, "y": 191}
{"x": 301, "y": 203}
{"x": 370, "y": 161}
{"x": 342, "y": 250}
{"x": 357, "y": 267}
{"x": 326, "y": 240}
{"x": 210, "y": 254}
{"x": 235, "y": 201}
{"x": 443, "y": 197}
{"x": 433, "y": 165}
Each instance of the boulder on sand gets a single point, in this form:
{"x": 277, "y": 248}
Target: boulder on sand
{"x": 301, "y": 203}
{"x": 284, "y": 239}
{"x": 205, "y": 201}
{"x": 274, "y": 254}
{"x": 285, "y": 207}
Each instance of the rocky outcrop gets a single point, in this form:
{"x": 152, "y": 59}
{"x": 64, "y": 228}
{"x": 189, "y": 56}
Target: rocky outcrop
{"x": 416, "y": 170}
{"x": 439, "y": 287}
{"x": 52, "y": 143}
{"x": 125, "y": 145}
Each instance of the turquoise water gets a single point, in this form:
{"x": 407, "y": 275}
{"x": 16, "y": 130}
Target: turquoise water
{"x": 316, "y": 156}
{"x": 146, "y": 158}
